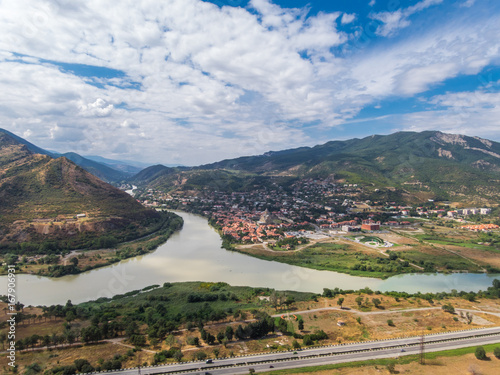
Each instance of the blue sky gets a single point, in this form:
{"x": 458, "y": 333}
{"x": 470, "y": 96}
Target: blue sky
{"x": 192, "y": 81}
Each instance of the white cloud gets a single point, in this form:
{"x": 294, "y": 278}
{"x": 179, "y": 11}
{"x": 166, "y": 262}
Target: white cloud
{"x": 392, "y": 22}
{"x": 371, "y": 3}
{"x": 418, "y": 79}
{"x": 468, "y": 3}
{"x": 225, "y": 81}
{"x": 66, "y": 134}
{"x": 472, "y": 113}
{"x": 347, "y": 18}
{"x": 99, "y": 108}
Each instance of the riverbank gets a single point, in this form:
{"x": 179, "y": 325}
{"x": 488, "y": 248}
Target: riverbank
{"x": 338, "y": 253}
{"x": 194, "y": 253}
{"x": 79, "y": 261}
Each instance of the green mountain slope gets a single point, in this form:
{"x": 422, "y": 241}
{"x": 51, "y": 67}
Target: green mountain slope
{"x": 443, "y": 166}
{"x": 41, "y": 196}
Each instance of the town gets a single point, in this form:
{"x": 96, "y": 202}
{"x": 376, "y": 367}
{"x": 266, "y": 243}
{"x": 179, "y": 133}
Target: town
{"x": 309, "y": 208}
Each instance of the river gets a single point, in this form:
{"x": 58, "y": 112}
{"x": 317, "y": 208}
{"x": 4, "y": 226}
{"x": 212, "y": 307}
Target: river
{"x": 195, "y": 254}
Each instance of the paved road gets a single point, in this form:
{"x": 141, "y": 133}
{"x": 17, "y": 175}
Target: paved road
{"x": 328, "y": 355}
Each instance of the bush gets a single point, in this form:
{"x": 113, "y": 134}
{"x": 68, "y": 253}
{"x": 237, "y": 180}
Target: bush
{"x": 201, "y": 356}
{"x": 480, "y": 353}
{"x": 390, "y": 323}
{"x": 496, "y": 352}
{"x": 307, "y": 340}
{"x": 448, "y": 308}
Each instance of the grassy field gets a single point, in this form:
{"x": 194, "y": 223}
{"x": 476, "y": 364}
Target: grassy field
{"x": 346, "y": 257}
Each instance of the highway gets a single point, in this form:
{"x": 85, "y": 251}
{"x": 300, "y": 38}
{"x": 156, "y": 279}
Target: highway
{"x": 327, "y": 355}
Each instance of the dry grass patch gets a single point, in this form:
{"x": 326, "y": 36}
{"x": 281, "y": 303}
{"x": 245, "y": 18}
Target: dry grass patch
{"x": 67, "y": 356}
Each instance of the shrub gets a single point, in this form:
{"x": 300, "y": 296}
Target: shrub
{"x": 448, "y": 308}
{"x": 480, "y": 353}
{"x": 496, "y": 352}
{"x": 307, "y": 340}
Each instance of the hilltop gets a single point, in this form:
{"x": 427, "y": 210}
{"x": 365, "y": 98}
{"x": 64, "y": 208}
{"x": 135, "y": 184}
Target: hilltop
{"x": 419, "y": 166}
{"x": 52, "y": 204}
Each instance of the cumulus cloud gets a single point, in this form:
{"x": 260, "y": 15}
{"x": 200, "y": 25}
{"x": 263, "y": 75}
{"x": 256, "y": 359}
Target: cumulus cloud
{"x": 99, "y": 108}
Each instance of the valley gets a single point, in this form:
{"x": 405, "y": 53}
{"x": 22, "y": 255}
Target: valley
{"x": 329, "y": 258}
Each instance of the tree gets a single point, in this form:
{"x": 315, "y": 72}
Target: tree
{"x": 340, "y": 301}
{"x": 307, "y": 340}
{"x": 390, "y": 322}
{"x": 229, "y": 332}
{"x": 138, "y": 340}
{"x": 301, "y": 324}
{"x": 70, "y": 316}
{"x": 359, "y": 300}
{"x": 377, "y": 302}
{"x": 46, "y": 341}
{"x": 496, "y": 351}
{"x": 449, "y": 308}
{"x": 216, "y": 352}
{"x": 210, "y": 339}
{"x": 33, "y": 369}
{"x": 178, "y": 356}
{"x": 83, "y": 365}
{"x": 240, "y": 333}
{"x": 469, "y": 317}
{"x": 170, "y": 340}
{"x": 220, "y": 337}
{"x": 74, "y": 261}
{"x": 480, "y": 353}
{"x": 295, "y": 344}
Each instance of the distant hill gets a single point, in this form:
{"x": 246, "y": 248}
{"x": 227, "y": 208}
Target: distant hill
{"x": 422, "y": 165}
{"x": 158, "y": 176}
{"x": 127, "y": 166}
{"x": 99, "y": 170}
{"x": 40, "y": 198}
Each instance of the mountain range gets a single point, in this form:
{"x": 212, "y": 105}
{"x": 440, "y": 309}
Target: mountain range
{"x": 417, "y": 165}
{"x": 420, "y": 166}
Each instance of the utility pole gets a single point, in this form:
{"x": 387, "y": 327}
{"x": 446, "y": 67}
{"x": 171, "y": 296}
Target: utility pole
{"x": 422, "y": 348}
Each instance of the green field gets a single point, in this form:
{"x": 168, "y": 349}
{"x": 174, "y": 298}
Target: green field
{"x": 340, "y": 258}
{"x": 432, "y": 263}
